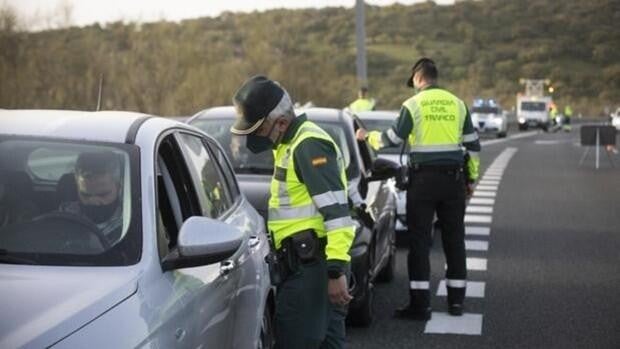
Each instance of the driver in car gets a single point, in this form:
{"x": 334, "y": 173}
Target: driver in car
{"x": 98, "y": 181}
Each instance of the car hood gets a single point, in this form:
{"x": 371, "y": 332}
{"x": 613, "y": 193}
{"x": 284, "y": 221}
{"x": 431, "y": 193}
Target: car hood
{"x": 41, "y": 305}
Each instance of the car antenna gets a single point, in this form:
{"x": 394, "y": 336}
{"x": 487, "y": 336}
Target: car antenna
{"x": 100, "y": 94}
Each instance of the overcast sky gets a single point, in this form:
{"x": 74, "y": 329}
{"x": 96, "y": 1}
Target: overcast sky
{"x": 39, "y": 13}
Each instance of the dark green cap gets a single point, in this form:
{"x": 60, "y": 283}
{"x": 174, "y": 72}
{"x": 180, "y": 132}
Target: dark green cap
{"x": 254, "y": 100}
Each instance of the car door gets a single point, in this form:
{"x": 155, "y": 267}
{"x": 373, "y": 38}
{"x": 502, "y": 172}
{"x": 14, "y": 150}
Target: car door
{"x": 380, "y": 200}
{"x": 220, "y": 199}
{"x": 254, "y": 283}
{"x": 195, "y": 304}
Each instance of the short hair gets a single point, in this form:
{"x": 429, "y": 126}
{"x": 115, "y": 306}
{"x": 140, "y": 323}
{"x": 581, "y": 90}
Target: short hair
{"x": 363, "y": 89}
{"x": 98, "y": 163}
{"x": 284, "y": 107}
{"x": 427, "y": 69}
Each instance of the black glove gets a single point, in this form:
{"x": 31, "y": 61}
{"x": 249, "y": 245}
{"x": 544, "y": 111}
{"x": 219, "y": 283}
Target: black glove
{"x": 364, "y": 216}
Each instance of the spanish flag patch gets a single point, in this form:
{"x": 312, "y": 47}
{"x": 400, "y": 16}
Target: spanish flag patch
{"x": 319, "y": 161}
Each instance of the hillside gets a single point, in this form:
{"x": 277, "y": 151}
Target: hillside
{"x": 482, "y": 49}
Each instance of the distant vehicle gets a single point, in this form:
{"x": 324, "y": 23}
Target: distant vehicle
{"x": 488, "y": 117}
{"x": 184, "y": 266}
{"x": 382, "y": 120}
{"x": 615, "y": 119}
{"x": 373, "y": 253}
{"x": 533, "y": 111}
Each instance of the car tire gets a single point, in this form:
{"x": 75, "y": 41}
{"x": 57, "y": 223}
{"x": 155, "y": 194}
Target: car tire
{"x": 361, "y": 315}
{"x": 501, "y": 135}
{"x": 386, "y": 274}
{"x": 522, "y": 127}
{"x": 267, "y": 334}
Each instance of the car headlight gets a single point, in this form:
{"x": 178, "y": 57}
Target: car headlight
{"x": 521, "y": 120}
{"x": 498, "y": 121}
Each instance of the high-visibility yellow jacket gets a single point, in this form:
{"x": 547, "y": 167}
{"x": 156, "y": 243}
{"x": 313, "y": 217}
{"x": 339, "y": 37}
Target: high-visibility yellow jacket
{"x": 293, "y": 207}
{"x": 362, "y": 104}
{"x": 437, "y": 125}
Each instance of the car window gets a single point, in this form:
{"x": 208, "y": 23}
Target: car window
{"x": 242, "y": 159}
{"x": 211, "y": 184}
{"x": 382, "y": 125}
{"x": 176, "y": 197}
{"x": 222, "y": 160}
{"x": 42, "y": 168}
{"x": 69, "y": 203}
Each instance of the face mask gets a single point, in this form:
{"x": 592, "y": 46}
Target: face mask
{"x": 258, "y": 144}
{"x": 99, "y": 213}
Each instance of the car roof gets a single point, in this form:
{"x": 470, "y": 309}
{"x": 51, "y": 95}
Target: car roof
{"x": 378, "y": 114}
{"x": 226, "y": 112}
{"x": 104, "y": 126}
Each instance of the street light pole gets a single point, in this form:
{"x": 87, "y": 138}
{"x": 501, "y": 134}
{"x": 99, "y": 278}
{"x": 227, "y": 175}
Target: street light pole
{"x": 360, "y": 40}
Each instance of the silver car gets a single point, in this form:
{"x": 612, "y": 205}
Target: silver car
{"x": 179, "y": 263}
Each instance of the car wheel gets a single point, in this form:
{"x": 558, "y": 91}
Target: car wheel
{"x": 387, "y": 272}
{"x": 501, "y": 135}
{"x": 362, "y": 314}
{"x": 267, "y": 335}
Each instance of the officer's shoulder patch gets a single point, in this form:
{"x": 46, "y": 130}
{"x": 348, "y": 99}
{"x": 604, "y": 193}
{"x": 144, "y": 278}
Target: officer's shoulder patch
{"x": 319, "y": 161}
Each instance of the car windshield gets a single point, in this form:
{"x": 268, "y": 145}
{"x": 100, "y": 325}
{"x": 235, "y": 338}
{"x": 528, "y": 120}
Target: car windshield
{"x": 68, "y": 203}
{"x": 381, "y": 125}
{"x": 245, "y": 162}
{"x": 533, "y": 106}
{"x": 242, "y": 159}
{"x": 485, "y": 110}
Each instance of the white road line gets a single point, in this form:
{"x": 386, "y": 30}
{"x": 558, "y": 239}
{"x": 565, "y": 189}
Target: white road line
{"x": 474, "y": 289}
{"x": 443, "y": 323}
{"x": 474, "y": 263}
{"x": 476, "y": 245}
{"x": 491, "y": 177}
{"x": 481, "y": 201}
{"x": 488, "y": 182}
{"x": 494, "y": 173}
{"x": 472, "y": 230}
{"x": 502, "y": 140}
{"x": 472, "y": 218}
{"x": 479, "y": 209}
{"x": 487, "y": 194}
{"x": 487, "y": 187}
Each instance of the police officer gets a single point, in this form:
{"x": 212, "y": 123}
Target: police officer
{"x": 437, "y": 124}
{"x": 568, "y": 114}
{"x": 308, "y": 215}
{"x": 362, "y": 103}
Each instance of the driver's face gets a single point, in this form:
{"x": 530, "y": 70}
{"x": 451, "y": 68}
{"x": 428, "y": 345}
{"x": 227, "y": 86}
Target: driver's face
{"x": 97, "y": 190}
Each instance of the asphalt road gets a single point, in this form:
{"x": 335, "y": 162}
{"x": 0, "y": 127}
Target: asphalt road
{"x": 552, "y": 277}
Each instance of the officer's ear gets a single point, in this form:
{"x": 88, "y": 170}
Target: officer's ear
{"x": 282, "y": 123}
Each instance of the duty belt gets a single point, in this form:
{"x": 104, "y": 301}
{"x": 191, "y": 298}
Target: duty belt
{"x": 437, "y": 168}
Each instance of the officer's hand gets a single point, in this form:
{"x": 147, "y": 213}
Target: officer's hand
{"x": 360, "y": 134}
{"x": 469, "y": 190}
{"x": 338, "y": 291}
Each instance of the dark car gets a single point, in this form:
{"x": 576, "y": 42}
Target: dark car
{"x": 373, "y": 250}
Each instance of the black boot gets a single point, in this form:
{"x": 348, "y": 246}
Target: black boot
{"x": 411, "y": 313}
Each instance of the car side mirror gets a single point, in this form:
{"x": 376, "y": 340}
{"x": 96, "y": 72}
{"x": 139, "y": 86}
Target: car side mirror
{"x": 203, "y": 241}
{"x": 383, "y": 169}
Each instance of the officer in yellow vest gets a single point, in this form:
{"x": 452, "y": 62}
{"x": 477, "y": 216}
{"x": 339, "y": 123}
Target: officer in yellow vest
{"x": 309, "y": 218}
{"x": 362, "y": 103}
{"x": 437, "y": 125}
{"x": 568, "y": 114}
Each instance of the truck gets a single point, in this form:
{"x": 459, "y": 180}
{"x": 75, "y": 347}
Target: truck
{"x": 533, "y": 111}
